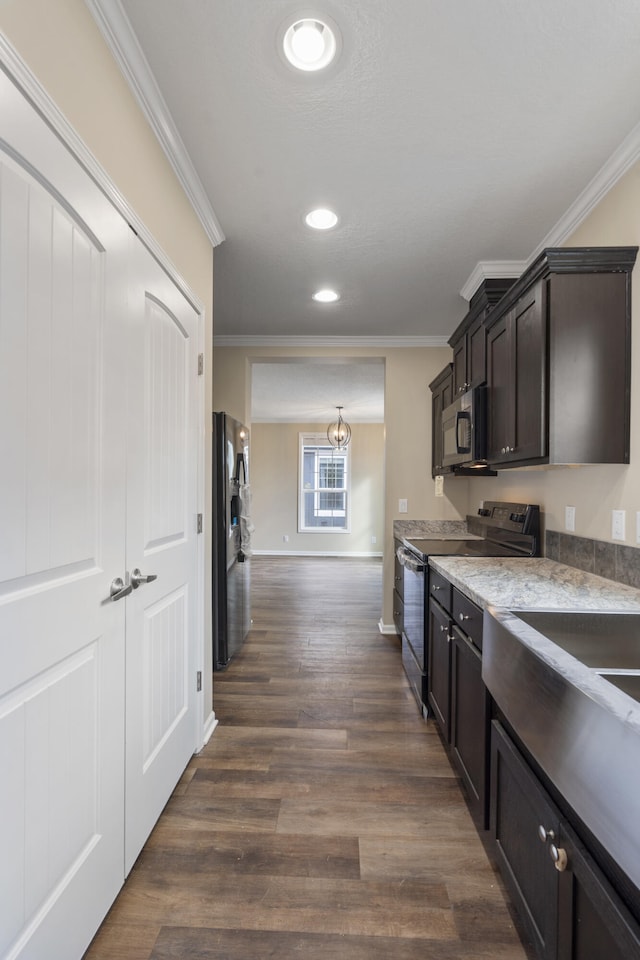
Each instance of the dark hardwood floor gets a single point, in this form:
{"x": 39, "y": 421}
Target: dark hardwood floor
{"x": 322, "y": 820}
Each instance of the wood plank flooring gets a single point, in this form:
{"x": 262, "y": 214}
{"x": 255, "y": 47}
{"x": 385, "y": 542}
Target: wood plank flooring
{"x": 323, "y": 820}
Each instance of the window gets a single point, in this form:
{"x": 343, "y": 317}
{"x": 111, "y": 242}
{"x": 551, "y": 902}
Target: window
{"x": 323, "y": 495}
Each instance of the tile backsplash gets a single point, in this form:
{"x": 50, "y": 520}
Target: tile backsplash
{"x": 615, "y": 561}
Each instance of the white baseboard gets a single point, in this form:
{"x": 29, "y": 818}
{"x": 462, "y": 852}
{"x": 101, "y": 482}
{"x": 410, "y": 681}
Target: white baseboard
{"x": 316, "y": 553}
{"x": 387, "y": 628}
{"x": 209, "y": 726}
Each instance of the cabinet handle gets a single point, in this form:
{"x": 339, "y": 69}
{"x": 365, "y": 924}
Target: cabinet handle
{"x": 545, "y": 834}
{"x": 503, "y": 450}
{"x": 442, "y": 629}
{"x": 463, "y": 616}
{"x": 434, "y": 588}
{"x": 397, "y": 579}
{"x": 559, "y": 857}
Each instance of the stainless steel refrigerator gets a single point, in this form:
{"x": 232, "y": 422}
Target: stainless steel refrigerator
{"x": 231, "y": 538}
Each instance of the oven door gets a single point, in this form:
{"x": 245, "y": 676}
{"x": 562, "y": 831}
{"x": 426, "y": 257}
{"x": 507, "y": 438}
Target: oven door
{"x": 414, "y": 580}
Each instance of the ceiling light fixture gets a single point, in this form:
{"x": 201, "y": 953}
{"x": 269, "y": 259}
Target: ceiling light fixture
{"x": 310, "y": 44}
{"x": 339, "y": 432}
{"x": 321, "y": 219}
{"x": 326, "y": 296}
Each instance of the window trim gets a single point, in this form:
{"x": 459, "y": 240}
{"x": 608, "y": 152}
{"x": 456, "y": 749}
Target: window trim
{"x": 320, "y": 440}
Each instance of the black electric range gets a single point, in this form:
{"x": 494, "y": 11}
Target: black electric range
{"x": 499, "y": 529}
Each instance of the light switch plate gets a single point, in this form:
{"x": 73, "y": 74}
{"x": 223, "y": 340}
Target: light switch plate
{"x": 439, "y": 487}
{"x": 638, "y": 527}
{"x": 570, "y": 519}
{"x": 617, "y": 524}
{"x": 402, "y": 506}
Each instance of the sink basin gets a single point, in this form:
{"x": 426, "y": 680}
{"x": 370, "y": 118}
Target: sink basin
{"x": 598, "y": 640}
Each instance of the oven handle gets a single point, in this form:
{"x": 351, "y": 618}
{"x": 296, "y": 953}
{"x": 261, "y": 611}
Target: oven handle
{"x": 409, "y": 560}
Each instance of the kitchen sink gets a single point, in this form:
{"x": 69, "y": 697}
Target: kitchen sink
{"x": 568, "y": 685}
{"x": 598, "y": 640}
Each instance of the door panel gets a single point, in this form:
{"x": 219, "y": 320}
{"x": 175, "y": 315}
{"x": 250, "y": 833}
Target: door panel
{"x": 62, "y": 532}
{"x": 161, "y": 541}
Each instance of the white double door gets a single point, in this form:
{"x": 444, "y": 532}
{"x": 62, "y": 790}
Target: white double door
{"x": 98, "y": 476}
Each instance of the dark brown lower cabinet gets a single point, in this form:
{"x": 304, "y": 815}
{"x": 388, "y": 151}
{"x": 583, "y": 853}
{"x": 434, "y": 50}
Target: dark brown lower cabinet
{"x": 470, "y": 707}
{"x": 567, "y": 906}
{"x": 439, "y": 667}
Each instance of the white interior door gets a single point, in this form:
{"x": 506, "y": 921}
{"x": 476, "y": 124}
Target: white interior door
{"x": 161, "y": 542}
{"x": 62, "y": 542}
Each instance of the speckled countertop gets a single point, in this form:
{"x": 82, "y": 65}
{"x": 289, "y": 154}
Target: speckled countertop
{"x": 432, "y": 530}
{"x": 518, "y": 583}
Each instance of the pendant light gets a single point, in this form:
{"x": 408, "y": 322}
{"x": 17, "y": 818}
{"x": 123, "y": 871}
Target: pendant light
{"x": 339, "y": 432}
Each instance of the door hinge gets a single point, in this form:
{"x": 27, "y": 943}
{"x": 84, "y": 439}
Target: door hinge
{"x": 199, "y": 523}
{"x": 199, "y": 681}
{"x": 200, "y": 364}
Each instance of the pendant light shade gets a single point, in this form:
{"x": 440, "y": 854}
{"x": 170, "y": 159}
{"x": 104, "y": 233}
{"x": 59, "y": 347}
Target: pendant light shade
{"x": 339, "y": 432}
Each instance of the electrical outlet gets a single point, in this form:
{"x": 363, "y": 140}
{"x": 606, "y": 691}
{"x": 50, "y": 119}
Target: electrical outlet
{"x": 285, "y": 538}
{"x": 570, "y": 519}
{"x": 374, "y": 539}
{"x": 402, "y": 506}
{"x": 617, "y": 524}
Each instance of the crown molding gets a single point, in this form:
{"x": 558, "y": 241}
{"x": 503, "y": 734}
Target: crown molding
{"x": 117, "y": 31}
{"x": 386, "y": 342}
{"x": 620, "y": 161}
{"x": 489, "y": 270}
{"x": 20, "y": 74}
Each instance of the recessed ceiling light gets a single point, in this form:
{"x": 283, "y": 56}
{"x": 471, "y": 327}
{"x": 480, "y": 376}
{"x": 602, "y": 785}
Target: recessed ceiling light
{"x": 326, "y": 296}
{"x": 310, "y": 44}
{"x": 321, "y": 219}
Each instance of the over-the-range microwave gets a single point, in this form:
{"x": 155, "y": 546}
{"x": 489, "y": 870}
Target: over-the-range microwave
{"x": 464, "y": 429}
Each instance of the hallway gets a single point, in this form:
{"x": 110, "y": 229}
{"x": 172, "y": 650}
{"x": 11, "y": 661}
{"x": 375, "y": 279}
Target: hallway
{"x": 323, "y": 819}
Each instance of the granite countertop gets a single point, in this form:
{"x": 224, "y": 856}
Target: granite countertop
{"x": 432, "y": 530}
{"x": 534, "y": 582}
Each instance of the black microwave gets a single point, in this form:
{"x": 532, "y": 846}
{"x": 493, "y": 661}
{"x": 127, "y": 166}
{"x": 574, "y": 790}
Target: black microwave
{"x": 464, "y": 429}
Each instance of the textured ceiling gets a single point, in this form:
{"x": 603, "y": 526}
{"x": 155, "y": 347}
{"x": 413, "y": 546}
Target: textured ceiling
{"x": 309, "y": 392}
{"x": 447, "y": 133}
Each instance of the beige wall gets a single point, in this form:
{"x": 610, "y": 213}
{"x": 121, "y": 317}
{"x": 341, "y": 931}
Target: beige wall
{"x": 274, "y": 486}
{"x": 407, "y": 459}
{"x": 63, "y": 48}
{"x": 593, "y": 490}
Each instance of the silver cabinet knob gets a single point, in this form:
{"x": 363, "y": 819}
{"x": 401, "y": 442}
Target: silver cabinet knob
{"x": 559, "y": 857}
{"x": 503, "y": 450}
{"x": 117, "y": 590}
{"x": 545, "y": 834}
{"x": 137, "y": 578}
{"x": 463, "y": 617}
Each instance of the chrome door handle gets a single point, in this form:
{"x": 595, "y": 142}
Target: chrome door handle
{"x": 137, "y": 578}
{"x": 117, "y": 590}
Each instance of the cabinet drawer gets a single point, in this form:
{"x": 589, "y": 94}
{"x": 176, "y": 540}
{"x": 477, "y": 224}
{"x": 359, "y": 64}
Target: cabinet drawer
{"x": 468, "y": 616}
{"x": 440, "y": 589}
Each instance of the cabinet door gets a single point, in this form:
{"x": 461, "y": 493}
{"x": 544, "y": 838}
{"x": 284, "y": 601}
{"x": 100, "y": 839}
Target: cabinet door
{"x": 477, "y": 353}
{"x": 519, "y": 808}
{"x": 528, "y": 349}
{"x": 516, "y": 374}
{"x": 593, "y": 921}
{"x": 500, "y": 426}
{"x": 442, "y": 395}
{"x": 470, "y": 724}
{"x": 439, "y": 672}
{"x": 460, "y": 383}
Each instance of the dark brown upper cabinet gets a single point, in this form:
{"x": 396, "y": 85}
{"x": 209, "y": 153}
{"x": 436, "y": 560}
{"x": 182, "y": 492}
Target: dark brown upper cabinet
{"x": 441, "y": 397}
{"x": 470, "y": 338}
{"x": 559, "y": 361}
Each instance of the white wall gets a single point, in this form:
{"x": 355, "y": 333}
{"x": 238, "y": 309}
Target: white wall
{"x": 274, "y": 485}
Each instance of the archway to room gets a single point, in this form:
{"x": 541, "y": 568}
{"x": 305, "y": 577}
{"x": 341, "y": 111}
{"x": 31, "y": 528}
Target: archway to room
{"x": 294, "y": 398}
